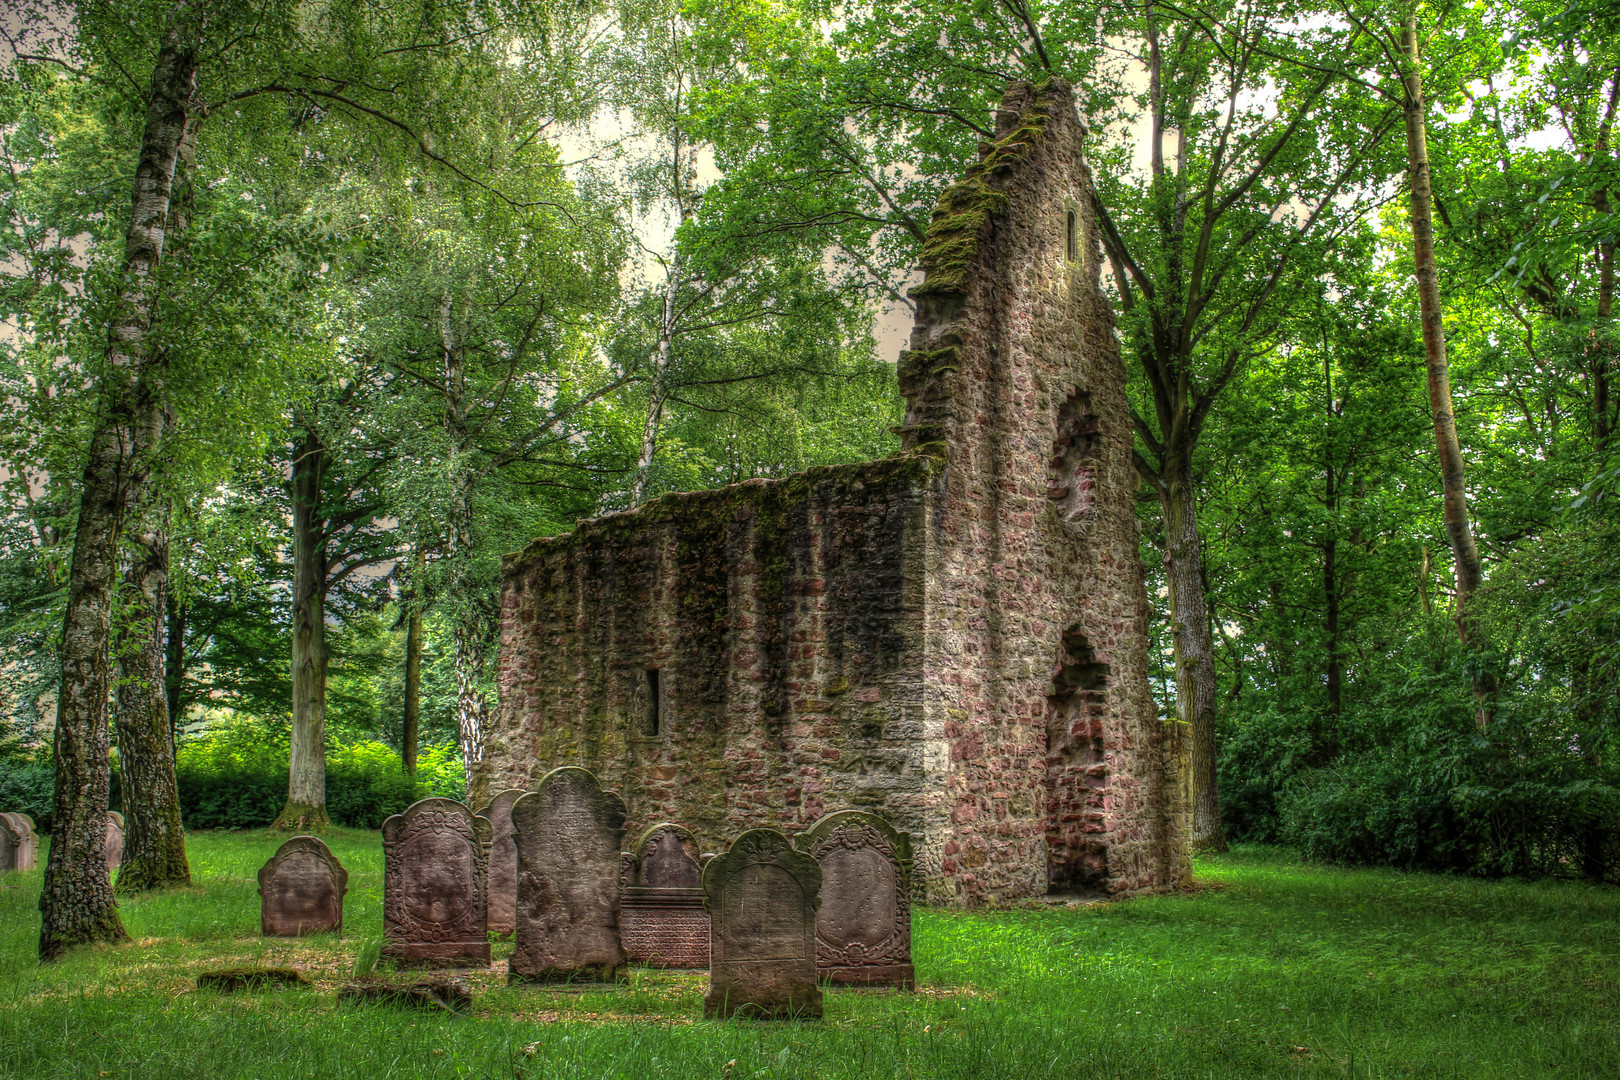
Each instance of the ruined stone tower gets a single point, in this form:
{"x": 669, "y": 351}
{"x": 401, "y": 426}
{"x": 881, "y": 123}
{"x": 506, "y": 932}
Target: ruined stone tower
{"x": 955, "y": 637}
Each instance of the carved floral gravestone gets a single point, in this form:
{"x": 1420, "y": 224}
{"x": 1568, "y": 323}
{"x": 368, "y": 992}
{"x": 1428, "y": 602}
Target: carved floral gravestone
{"x": 762, "y": 896}
{"x": 569, "y": 832}
{"x": 115, "y": 841}
{"x": 19, "y": 846}
{"x": 661, "y": 918}
{"x": 434, "y": 885}
{"x": 302, "y": 889}
{"x": 502, "y": 862}
{"x": 863, "y": 927}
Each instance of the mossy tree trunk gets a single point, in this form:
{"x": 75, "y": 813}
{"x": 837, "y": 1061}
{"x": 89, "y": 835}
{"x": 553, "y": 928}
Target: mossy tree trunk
{"x": 306, "y": 766}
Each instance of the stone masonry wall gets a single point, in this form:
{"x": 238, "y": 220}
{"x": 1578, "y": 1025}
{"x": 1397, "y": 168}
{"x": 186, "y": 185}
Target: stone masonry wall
{"x": 1059, "y": 774}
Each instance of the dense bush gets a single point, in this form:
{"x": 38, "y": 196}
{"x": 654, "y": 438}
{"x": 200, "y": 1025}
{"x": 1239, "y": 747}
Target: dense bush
{"x": 237, "y": 778}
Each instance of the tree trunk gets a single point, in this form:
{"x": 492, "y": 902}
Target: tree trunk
{"x": 76, "y": 902}
{"x": 1194, "y": 650}
{"x": 1330, "y": 557}
{"x": 174, "y": 667}
{"x": 1465, "y": 554}
{"x": 410, "y": 733}
{"x": 306, "y": 777}
{"x": 154, "y": 843}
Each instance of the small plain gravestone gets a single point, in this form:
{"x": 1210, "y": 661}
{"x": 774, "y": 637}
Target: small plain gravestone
{"x": 568, "y": 833}
{"x": 115, "y": 841}
{"x": 502, "y": 862}
{"x": 863, "y": 927}
{"x": 661, "y": 916}
{"x": 435, "y": 868}
{"x": 19, "y": 846}
{"x": 302, "y": 889}
{"x": 762, "y": 896}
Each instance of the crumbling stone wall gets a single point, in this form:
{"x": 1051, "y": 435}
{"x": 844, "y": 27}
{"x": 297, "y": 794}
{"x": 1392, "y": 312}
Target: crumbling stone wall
{"x": 955, "y": 637}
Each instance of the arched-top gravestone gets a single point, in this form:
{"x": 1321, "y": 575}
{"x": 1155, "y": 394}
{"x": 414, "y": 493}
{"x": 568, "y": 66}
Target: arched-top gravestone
{"x": 661, "y": 918}
{"x": 863, "y": 927}
{"x": 502, "y": 862}
{"x": 115, "y": 841}
{"x": 435, "y": 867}
{"x": 762, "y": 896}
{"x": 301, "y": 890}
{"x": 568, "y": 832}
{"x": 19, "y": 845}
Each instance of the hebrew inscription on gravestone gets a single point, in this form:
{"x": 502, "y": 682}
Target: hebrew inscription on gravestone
{"x": 569, "y": 832}
{"x": 762, "y": 897}
{"x": 863, "y": 928}
{"x": 502, "y": 862}
{"x": 301, "y": 890}
{"x": 661, "y": 918}
{"x": 434, "y": 885}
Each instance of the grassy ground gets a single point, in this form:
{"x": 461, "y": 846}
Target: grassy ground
{"x": 1278, "y": 969}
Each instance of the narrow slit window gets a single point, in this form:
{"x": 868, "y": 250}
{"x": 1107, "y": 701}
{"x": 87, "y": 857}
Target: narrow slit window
{"x": 654, "y": 720}
{"x": 1073, "y": 242}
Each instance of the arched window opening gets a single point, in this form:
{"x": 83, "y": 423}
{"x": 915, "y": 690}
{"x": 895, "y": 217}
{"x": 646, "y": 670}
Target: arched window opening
{"x": 1073, "y": 242}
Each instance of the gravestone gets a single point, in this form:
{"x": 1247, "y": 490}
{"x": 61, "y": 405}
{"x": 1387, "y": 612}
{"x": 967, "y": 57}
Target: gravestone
{"x": 863, "y": 927}
{"x": 661, "y": 916}
{"x": 435, "y": 865}
{"x": 19, "y": 846}
{"x": 568, "y": 834}
{"x": 115, "y": 841}
{"x": 302, "y": 889}
{"x": 502, "y": 862}
{"x": 761, "y": 896}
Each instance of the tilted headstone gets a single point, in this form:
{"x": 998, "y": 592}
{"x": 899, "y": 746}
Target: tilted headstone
{"x": 661, "y": 916}
{"x": 863, "y": 927}
{"x": 19, "y": 846}
{"x": 502, "y": 862}
{"x": 762, "y": 896}
{"x": 115, "y": 841}
{"x": 435, "y": 867}
{"x": 568, "y": 833}
{"x": 301, "y": 890}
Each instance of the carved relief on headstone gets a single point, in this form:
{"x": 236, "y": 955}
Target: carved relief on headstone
{"x": 19, "y": 846}
{"x": 661, "y": 918}
{"x": 434, "y": 885}
{"x": 863, "y": 927}
{"x": 762, "y": 896}
{"x": 302, "y": 889}
{"x": 115, "y": 841}
{"x": 502, "y": 862}
{"x": 568, "y": 834}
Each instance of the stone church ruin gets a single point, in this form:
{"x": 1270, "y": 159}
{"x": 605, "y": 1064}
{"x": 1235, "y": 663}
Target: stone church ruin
{"x": 954, "y": 637}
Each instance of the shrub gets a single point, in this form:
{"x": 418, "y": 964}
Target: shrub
{"x": 27, "y": 787}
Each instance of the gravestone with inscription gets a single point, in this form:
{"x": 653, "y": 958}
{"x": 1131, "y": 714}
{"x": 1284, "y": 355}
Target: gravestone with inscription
{"x": 502, "y": 862}
{"x": 762, "y": 896}
{"x": 19, "y": 846}
{"x": 661, "y": 917}
{"x": 435, "y": 868}
{"x": 115, "y": 841}
{"x": 568, "y": 833}
{"x": 301, "y": 890}
{"x": 863, "y": 927}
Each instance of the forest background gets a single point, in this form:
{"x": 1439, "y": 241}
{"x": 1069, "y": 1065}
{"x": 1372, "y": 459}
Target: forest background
{"x": 432, "y": 279}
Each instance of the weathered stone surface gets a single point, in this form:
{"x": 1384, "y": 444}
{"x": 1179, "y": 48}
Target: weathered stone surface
{"x": 230, "y": 980}
{"x": 863, "y": 927}
{"x": 432, "y": 994}
{"x": 434, "y": 885}
{"x": 502, "y": 862}
{"x": 954, "y": 637}
{"x": 661, "y": 918}
{"x": 19, "y": 846}
{"x": 115, "y": 841}
{"x": 568, "y": 832}
{"x": 301, "y": 890}
{"x": 762, "y": 896}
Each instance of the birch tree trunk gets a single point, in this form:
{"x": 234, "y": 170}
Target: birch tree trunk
{"x": 1459, "y": 530}
{"x": 154, "y": 843}
{"x": 306, "y": 777}
{"x": 76, "y": 902}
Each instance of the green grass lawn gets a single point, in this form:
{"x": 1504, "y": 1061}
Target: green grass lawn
{"x": 1277, "y": 969}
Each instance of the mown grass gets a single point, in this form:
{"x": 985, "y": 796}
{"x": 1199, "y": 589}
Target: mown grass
{"x": 1276, "y": 969}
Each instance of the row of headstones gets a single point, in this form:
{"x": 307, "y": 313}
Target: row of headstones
{"x": 19, "y": 844}
{"x": 767, "y": 918}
